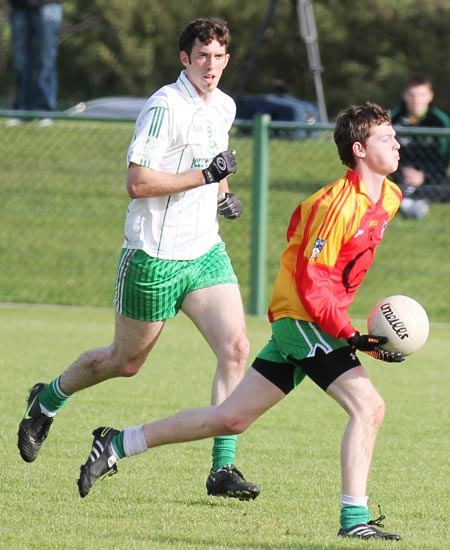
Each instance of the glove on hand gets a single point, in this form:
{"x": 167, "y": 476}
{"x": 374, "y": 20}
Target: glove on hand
{"x": 371, "y": 345}
{"x": 222, "y": 165}
{"x": 229, "y": 205}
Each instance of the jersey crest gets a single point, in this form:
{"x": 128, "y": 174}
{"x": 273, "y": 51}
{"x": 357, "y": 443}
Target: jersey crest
{"x": 317, "y": 249}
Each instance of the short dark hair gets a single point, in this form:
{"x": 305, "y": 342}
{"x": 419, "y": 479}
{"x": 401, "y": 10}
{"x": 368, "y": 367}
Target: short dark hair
{"x": 353, "y": 124}
{"x": 417, "y": 79}
{"x": 206, "y": 30}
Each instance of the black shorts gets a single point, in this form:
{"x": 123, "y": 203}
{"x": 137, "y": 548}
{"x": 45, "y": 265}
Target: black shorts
{"x": 323, "y": 368}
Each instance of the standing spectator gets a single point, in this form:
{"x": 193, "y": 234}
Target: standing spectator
{"x": 424, "y": 159}
{"x": 34, "y": 34}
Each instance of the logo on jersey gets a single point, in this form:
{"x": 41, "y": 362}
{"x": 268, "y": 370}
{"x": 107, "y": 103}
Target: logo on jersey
{"x": 200, "y": 162}
{"x": 317, "y": 248}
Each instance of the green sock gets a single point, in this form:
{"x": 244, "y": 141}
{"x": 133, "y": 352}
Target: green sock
{"x": 117, "y": 443}
{"x": 352, "y": 515}
{"x": 52, "y": 398}
{"x": 224, "y": 451}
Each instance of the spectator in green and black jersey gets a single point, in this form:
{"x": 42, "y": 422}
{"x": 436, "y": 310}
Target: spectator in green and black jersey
{"x": 424, "y": 159}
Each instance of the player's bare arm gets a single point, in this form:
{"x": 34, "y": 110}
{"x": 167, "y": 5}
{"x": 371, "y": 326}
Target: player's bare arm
{"x": 146, "y": 182}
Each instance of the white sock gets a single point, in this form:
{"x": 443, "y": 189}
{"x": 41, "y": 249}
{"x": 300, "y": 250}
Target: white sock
{"x": 347, "y": 500}
{"x": 134, "y": 440}
{"x": 48, "y": 413}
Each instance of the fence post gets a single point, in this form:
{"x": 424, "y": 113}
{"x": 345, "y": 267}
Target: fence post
{"x": 260, "y": 188}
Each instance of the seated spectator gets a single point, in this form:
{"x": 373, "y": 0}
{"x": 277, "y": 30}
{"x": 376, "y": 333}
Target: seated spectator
{"x": 424, "y": 159}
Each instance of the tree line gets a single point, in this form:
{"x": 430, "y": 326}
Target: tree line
{"x": 367, "y": 48}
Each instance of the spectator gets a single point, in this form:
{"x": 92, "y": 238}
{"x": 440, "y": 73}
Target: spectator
{"x": 424, "y": 159}
{"x": 34, "y": 35}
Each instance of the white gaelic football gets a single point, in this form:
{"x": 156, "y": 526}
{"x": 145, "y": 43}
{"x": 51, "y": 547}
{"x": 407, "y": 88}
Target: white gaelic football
{"x": 403, "y": 320}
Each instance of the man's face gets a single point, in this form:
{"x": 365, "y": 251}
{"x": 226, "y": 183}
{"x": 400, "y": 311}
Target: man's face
{"x": 417, "y": 99}
{"x": 381, "y": 149}
{"x": 205, "y": 65}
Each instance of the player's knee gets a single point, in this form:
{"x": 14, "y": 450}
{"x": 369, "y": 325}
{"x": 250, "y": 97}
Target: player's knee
{"x": 126, "y": 364}
{"x": 128, "y": 370}
{"x": 236, "y": 352}
{"x": 130, "y": 367}
{"x": 379, "y": 410}
{"x": 244, "y": 349}
{"x": 231, "y": 424}
{"x": 374, "y": 410}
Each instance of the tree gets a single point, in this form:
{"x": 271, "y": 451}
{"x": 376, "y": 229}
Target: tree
{"x": 112, "y": 47}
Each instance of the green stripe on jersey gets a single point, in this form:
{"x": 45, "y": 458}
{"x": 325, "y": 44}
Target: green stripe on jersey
{"x": 157, "y": 120}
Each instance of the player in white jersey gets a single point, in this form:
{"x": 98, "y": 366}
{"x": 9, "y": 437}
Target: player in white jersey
{"x": 173, "y": 257}
{"x": 178, "y": 131}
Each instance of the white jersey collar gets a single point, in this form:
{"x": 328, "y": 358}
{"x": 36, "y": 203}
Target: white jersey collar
{"x": 188, "y": 90}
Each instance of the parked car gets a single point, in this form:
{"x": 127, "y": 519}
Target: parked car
{"x": 121, "y": 107}
{"x": 281, "y": 108}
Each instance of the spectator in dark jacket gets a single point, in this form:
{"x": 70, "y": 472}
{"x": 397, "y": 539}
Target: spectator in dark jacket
{"x": 424, "y": 159}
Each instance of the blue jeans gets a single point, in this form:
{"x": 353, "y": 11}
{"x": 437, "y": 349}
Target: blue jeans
{"x": 34, "y": 34}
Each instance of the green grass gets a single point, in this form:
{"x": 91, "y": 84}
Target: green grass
{"x": 158, "y": 499}
{"x": 63, "y": 202}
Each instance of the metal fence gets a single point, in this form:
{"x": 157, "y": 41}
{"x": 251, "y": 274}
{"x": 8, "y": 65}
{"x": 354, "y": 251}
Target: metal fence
{"x": 63, "y": 202}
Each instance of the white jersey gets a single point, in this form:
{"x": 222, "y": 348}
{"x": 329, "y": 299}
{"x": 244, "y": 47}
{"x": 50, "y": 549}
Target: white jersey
{"x": 177, "y": 131}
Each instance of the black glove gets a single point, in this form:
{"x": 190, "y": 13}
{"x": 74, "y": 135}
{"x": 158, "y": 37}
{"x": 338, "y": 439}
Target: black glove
{"x": 371, "y": 345}
{"x": 222, "y": 165}
{"x": 229, "y": 205}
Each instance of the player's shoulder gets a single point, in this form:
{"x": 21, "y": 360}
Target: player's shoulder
{"x": 397, "y": 113}
{"x": 392, "y": 197}
{"x": 337, "y": 195}
{"x": 164, "y": 96}
{"x": 223, "y": 97}
{"x": 160, "y": 98}
{"x": 439, "y": 118}
{"x": 225, "y": 103}
{"x": 392, "y": 188}
{"x": 346, "y": 185}
{"x": 154, "y": 102}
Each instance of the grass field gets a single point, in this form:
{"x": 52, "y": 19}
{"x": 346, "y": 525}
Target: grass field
{"x": 158, "y": 500}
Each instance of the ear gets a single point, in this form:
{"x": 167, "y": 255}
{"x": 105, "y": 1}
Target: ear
{"x": 358, "y": 149}
{"x": 184, "y": 58}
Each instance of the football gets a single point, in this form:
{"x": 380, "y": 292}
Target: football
{"x": 402, "y": 320}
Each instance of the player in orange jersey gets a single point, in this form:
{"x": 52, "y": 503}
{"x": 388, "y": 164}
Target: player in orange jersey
{"x": 332, "y": 238}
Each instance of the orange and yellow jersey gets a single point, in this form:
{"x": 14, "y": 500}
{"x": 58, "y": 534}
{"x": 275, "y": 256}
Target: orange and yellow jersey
{"x": 332, "y": 238}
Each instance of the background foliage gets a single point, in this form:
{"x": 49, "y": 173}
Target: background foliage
{"x": 113, "y": 47}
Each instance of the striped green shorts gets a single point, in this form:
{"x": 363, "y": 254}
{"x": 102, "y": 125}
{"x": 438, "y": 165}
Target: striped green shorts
{"x": 151, "y": 289}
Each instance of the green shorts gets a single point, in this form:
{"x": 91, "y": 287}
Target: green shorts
{"x": 151, "y": 289}
{"x": 300, "y": 348}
